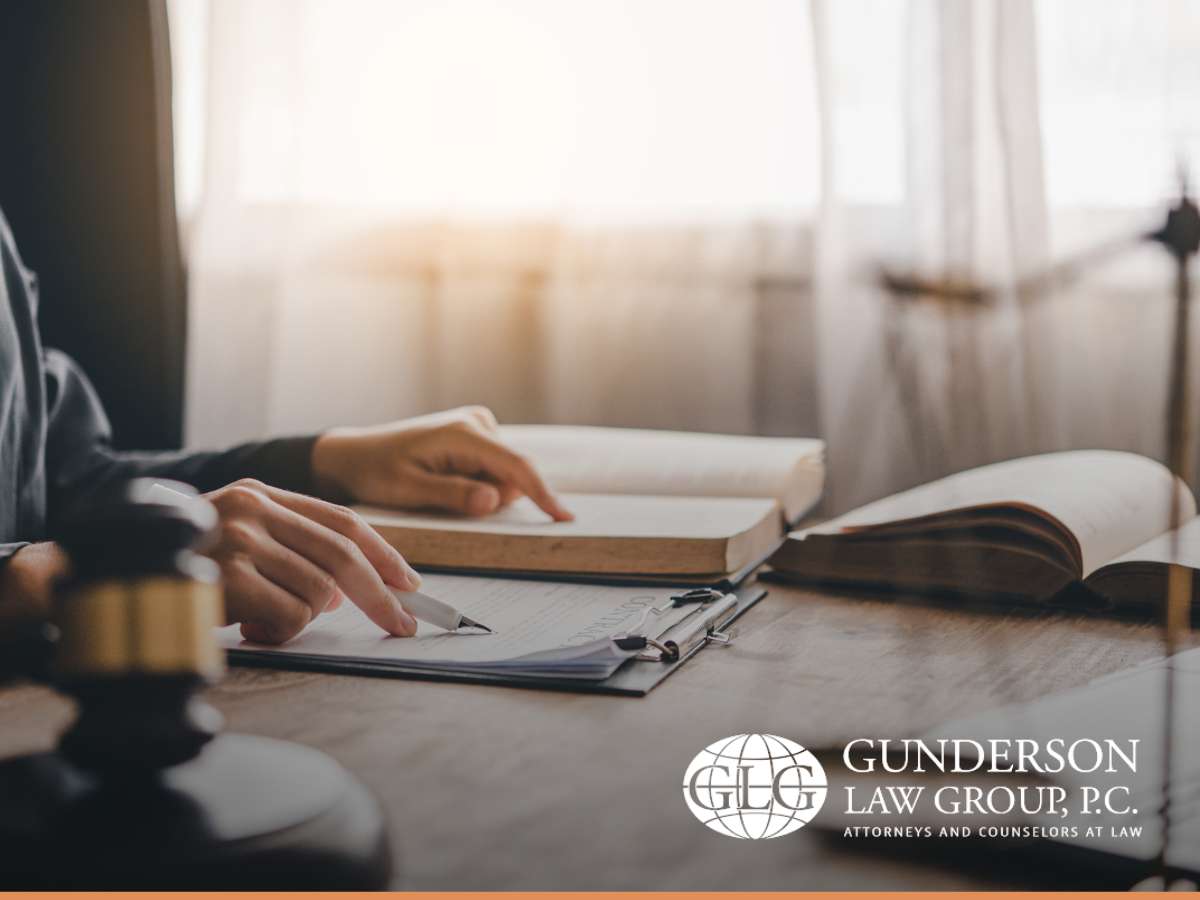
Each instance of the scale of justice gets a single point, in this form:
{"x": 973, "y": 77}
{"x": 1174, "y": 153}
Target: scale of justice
{"x": 1179, "y": 235}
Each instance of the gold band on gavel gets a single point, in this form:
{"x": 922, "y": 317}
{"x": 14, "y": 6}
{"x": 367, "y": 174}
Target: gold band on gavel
{"x": 151, "y": 625}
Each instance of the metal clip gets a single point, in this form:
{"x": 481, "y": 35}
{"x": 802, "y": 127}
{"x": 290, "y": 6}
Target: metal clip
{"x": 697, "y": 596}
{"x": 641, "y": 642}
{"x": 666, "y": 653}
{"x": 723, "y": 638}
{"x": 690, "y": 631}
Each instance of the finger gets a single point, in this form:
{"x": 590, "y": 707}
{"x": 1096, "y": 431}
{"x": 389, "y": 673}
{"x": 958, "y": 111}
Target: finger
{"x": 386, "y": 559}
{"x": 268, "y": 613}
{"x": 510, "y": 468}
{"x": 484, "y": 417}
{"x": 454, "y": 493}
{"x": 283, "y": 566}
{"x": 343, "y": 558}
{"x": 508, "y": 494}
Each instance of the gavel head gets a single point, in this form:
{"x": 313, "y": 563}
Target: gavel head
{"x": 136, "y": 619}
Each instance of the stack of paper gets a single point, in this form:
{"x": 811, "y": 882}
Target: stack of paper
{"x": 542, "y": 630}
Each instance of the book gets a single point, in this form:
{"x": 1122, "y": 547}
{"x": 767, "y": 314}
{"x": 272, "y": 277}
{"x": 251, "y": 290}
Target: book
{"x": 1024, "y": 530}
{"x": 652, "y": 503}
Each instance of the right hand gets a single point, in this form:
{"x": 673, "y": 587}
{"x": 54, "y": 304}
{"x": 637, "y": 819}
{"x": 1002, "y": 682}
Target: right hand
{"x": 453, "y": 460}
{"x": 285, "y": 558}
{"x": 27, "y": 583}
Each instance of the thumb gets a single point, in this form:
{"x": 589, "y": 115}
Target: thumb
{"x": 453, "y": 493}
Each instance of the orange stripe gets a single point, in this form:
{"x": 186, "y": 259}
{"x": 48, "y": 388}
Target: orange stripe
{"x": 574, "y": 895}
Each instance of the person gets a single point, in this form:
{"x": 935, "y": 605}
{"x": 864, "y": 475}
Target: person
{"x": 287, "y": 547}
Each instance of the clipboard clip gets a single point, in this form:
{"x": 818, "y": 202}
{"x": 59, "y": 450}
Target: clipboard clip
{"x": 641, "y": 642}
{"x": 696, "y": 595}
{"x": 691, "y": 632}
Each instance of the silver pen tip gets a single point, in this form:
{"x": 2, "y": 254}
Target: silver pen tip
{"x": 464, "y": 622}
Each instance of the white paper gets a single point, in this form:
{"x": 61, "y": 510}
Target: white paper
{"x": 528, "y": 616}
{"x": 590, "y": 460}
{"x": 637, "y": 461}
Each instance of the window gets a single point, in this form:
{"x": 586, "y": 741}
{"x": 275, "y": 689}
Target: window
{"x": 1120, "y": 92}
{"x": 647, "y": 109}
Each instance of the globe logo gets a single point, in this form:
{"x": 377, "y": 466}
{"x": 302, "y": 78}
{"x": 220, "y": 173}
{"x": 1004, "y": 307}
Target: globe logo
{"x": 754, "y": 786}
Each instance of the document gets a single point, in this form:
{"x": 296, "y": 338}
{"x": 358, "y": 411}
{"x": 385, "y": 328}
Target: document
{"x": 540, "y": 626}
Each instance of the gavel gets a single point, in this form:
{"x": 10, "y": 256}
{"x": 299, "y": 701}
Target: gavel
{"x": 143, "y": 791}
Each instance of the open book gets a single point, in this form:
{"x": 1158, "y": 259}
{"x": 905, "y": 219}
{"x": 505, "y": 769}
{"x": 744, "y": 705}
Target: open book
{"x": 645, "y": 503}
{"x": 1024, "y": 529}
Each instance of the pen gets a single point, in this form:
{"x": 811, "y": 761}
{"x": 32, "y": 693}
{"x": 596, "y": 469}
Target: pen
{"x": 426, "y": 608}
{"x": 435, "y": 612}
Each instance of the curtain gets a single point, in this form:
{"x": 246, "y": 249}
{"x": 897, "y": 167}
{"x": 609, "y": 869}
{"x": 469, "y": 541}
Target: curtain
{"x": 635, "y": 285}
{"x": 701, "y": 328}
{"x": 668, "y": 214}
{"x": 932, "y": 386}
{"x": 913, "y": 389}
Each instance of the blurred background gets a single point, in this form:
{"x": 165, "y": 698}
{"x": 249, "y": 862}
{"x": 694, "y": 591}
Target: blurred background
{"x": 671, "y": 213}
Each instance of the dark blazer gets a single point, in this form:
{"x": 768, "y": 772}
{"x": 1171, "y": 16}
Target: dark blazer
{"x": 55, "y": 439}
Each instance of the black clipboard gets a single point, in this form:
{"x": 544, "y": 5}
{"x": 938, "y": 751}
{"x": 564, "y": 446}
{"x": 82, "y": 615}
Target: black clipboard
{"x": 635, "y": 678}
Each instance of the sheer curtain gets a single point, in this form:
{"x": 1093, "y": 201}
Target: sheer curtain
{"x": 673, "y": 214}
{"x": 570, "y": 212}
{"x": 1022, "y": 131}
{"x": 930, "y": 387}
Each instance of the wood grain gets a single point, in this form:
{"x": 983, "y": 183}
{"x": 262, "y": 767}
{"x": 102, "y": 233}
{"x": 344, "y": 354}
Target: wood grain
{"x": 507, "y": 789}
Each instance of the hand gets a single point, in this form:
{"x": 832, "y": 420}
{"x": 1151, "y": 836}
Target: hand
{"x": 286, "y": 558}
{"x": 452, "y": 461}
{"x": 27, "y": 582}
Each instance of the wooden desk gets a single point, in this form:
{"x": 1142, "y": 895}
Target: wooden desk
{"x": 495, "y": 788}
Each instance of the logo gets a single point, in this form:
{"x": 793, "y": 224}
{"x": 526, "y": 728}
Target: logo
{"x": 754, "y": 786}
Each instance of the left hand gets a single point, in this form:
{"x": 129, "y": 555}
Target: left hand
{"x": 452, "y": 461}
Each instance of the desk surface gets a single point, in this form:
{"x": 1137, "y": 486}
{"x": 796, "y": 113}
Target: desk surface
{"x": 507, "y": 789}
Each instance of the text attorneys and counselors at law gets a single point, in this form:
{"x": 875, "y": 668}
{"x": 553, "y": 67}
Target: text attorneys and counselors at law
{"x": 286, "y": 549}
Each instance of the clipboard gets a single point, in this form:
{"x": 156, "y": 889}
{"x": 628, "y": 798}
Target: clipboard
{"x": 635, "y": 678}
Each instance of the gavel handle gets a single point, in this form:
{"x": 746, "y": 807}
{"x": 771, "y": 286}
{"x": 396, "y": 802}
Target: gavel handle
{"x": 26, "y": 649}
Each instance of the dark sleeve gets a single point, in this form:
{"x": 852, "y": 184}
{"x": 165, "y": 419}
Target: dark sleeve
{"x": 81, "y": 461}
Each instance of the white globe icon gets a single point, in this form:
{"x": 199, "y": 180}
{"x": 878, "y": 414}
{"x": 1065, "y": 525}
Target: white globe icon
{"x": 754, "y": 786}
